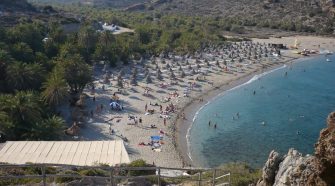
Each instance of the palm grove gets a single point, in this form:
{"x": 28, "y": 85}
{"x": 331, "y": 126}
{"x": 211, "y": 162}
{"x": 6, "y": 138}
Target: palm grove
{"x": 37, "y": 74}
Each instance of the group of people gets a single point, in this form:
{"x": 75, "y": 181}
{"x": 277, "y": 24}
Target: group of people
{"x": 209, "y": 124}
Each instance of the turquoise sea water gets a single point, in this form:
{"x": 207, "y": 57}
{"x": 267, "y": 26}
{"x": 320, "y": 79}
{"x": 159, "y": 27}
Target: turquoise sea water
{"x": 285, "y": 112}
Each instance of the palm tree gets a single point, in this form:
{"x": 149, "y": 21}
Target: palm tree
{"x": 22, "y": 76}
{"x": 5, "y": 122}
{"x": 55, "y": 88}
{"x": 47, "y": 129}
{"x": 23, "y": 109}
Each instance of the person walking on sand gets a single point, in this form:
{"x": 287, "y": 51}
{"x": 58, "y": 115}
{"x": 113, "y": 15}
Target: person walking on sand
{"x": 161, "y": 108}
{"x": 140, "y": 120}
{"x": 183, "y": 115}
{"x": 146, "y": 107}
{"x": 164, "y": 121}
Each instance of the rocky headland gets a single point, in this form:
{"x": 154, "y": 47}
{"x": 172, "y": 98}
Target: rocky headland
{"x": 296, "y": 169}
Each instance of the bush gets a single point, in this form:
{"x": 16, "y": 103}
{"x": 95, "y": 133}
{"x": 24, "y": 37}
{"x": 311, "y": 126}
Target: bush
{"x": 93, "y": 172}
{"x": 241, "y": 173}
{"x": 140, "y": 163}
{"x": 237, "y": 29}
{"x": 67, "y": 179}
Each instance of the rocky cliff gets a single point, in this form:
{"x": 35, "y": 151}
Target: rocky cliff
{"x": 295, "y": 169}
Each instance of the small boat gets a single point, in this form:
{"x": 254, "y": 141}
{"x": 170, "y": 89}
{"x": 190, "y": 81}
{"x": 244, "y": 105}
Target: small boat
{"x": 328, "y": 60}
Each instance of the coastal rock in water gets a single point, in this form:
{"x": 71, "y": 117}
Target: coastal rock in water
{"x": 295, "y": 169}
{"x": 270, "y": 168}
{"x": 325, "y": 152}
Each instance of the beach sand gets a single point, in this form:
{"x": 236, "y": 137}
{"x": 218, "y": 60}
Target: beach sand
{"x": 173, "y": 153}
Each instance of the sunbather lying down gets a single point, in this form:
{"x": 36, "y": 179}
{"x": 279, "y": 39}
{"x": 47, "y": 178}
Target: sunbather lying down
{"x": 151, "y": 111}
{"x": 164, "y": 115}
{"x": 153, "y": 126}
{"x": 155, "y": 104}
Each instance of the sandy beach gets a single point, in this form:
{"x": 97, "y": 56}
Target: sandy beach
{"x": 207, "y": 75}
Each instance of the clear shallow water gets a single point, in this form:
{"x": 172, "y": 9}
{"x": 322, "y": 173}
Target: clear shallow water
{"x": 286, "y": 111}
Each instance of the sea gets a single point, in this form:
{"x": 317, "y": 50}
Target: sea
{"x": 280, "y": 109}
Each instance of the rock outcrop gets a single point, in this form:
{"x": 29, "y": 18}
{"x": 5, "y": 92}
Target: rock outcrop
{"x": 270, "y": 169}
{"x": 295, "y": 169}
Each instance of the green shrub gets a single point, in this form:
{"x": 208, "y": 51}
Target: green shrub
{"x": 67, "y": 179}
{"x": 237, "y": 29}
{"x": 140, "y": 163}
{"x": 92, "y": 172}
{"x": 241, "y": 173}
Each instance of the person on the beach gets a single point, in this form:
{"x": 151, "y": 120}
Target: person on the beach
{"x": 92, "y": 113}
{"x": 93, "y": 98}
{"x": 183, "y": 115}
{"x": 164, "y": 121}
{"x": 146, "y": 107}
{"x": 97, "y": 109}
{"x": 161, "y": 108}
{"x": 140, "y": 120}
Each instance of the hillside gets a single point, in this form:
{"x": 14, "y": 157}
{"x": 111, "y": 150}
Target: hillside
{"x": 315, "y": 14}
{"x": 97, "y": 3}
{"x": 13, "y": 12}
{"x": 15, "y": 5}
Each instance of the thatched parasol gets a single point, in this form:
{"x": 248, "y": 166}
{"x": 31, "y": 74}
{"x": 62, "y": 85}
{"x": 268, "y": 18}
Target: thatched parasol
{"x": 148, "y": 79}
{"x": 159, "y": 75}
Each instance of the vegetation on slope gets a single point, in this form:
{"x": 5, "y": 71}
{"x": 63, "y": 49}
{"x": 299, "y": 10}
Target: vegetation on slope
{"x": 315, "y": 16}
{"x": 241, "y": 175}
{"x": 38, "y": 74}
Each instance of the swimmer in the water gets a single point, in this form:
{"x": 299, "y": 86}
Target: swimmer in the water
{"x": 209, "y": 123}
{"x": 254, "y": 92}
{"x": 238, "y": 115}
{"x": 285, "y": 73}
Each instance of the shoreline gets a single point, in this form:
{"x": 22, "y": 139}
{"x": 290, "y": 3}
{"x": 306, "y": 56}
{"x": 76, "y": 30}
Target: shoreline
{"x": 173, "y": 151}
{"x": 194, "y": 106}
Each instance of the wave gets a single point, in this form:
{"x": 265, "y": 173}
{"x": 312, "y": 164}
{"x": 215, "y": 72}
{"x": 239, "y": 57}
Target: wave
{"x": 254, "y": 78}
{"x": 189, "y": 128}
{"x": 257, "y": 77}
